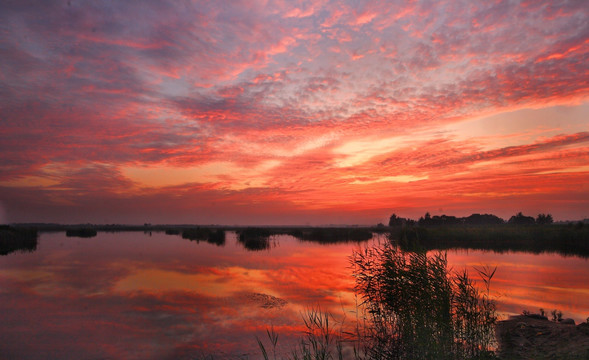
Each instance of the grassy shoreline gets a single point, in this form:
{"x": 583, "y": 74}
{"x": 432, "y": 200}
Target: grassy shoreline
{"x": 566, "y": 239}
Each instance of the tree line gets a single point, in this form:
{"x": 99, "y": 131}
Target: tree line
{"x": 474, "y": 219}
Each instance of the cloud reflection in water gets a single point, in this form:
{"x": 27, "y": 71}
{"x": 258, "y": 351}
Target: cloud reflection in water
{"x": 133, "y": 296}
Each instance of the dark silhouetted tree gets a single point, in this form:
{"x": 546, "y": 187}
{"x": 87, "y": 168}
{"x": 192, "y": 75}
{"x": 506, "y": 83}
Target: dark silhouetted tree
{"x": 439, "y": 220}
{"x": 425, "y": 220}
{"x": 396, "y": 221}
{"x": 485, "y": 219}
{"x": 521, "y": 219}
{"x": 544, "y": 219}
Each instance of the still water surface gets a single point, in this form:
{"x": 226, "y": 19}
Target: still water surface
{"x": 132, "y": 295}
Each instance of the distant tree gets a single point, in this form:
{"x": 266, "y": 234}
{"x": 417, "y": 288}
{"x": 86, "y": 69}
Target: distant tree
{"x": 544, "y": 219}
{"x": 425, "y": 220}
{"x": 485, "y": 219}
{"x": 396, "y": 221}
{"x": 447, "y": 220}
{"x": 521, "y": 219}
{"x": 441, "y": 220}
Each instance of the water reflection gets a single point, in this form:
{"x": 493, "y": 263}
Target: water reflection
{"x": 212, "y": 236}
{"x": 256, "y": 239}
{"x": 534, "y": 281}
{"x": 128, "y": 295}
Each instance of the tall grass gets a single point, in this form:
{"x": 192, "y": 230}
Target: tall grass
{"x": 321, "y": 340}
{"x": 411, "y": 307}
{"x": 417, "y": 309}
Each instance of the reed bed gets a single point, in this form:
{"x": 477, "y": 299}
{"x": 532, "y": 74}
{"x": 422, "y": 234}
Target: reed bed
{"x": 569, "y": 239}
{"x": 411, "y": 307}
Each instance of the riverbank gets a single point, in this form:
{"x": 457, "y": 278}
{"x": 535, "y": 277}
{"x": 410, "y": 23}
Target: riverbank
{"x": 524, "y": 337}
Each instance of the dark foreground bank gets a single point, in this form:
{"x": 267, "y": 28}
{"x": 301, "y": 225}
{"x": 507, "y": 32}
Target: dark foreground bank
{"x": 524, "y": 337}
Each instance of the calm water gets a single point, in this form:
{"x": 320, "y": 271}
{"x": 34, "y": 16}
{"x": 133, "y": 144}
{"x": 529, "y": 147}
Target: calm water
{"x": 134, "y": 296}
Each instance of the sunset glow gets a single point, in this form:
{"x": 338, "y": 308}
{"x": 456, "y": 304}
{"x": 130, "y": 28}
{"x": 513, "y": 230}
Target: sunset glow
{"x": 292, "y": 112}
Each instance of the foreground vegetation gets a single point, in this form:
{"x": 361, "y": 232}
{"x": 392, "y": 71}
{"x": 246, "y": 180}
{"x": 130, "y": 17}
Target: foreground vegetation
{"x": 412, "y": 307}
{"x": 419, "y": 310}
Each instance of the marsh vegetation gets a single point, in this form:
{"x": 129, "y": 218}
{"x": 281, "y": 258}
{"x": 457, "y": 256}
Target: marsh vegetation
{"x": 438, "y": 232}
{"x": 255, "y": 239}
{"x": 417, "y": 309}
{"x": 331, "y": 235}
{"x": 562, "y": 239}
{"x": 212, "y": 236}
{"x": 489, "y": 232}
{"x": 17, "y": 239}
{"x": 81, "y": 232}
{"x": 412, "y": 307}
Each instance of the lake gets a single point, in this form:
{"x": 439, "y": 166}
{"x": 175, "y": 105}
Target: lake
{"x": 134, "y": 295}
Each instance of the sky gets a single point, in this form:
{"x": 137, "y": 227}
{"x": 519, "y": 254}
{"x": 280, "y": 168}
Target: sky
{"x": 292, "y": 112}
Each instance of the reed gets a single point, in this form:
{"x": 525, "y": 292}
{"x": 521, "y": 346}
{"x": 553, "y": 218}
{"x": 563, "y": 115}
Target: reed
{"x": 417, "y": 309}
{"x": 321, "y": 340}
{"x": 412, "y": 307}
